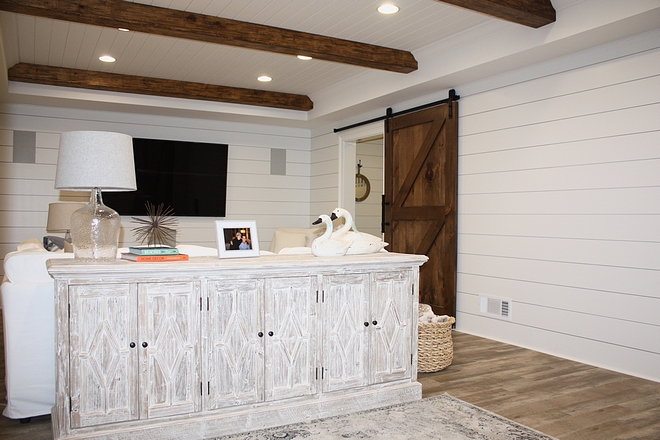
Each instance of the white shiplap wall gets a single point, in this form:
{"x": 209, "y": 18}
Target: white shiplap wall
{"x": 253, "y": 193}
{"x": 368, "y": 212}
{"x": 324, "y": 190}
{"x": 559, "y": 206}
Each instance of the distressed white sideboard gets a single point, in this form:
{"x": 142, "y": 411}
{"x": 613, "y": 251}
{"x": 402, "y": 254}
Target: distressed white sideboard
{"x": 210, "y": 347}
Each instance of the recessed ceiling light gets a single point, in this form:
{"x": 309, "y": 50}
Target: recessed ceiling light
{"x": 304, "y": 57}
{"x": 122, "y": 29}
{"x": 107, "y": 59}
{"x": 388, "y": 9}
{"x": 265, "y": 78}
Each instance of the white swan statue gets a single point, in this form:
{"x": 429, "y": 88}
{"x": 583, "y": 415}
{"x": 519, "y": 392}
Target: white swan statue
{"x": 325, "y": 245}
{"x": 362, "y": 243}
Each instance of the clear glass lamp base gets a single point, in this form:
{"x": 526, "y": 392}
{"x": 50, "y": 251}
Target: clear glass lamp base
{"x": 95, "y": 230}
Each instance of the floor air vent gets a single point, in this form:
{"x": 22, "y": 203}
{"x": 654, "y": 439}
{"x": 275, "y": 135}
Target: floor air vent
{"x": 500, "y": 308}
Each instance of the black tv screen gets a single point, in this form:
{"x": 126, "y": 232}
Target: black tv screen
{"x": 189, "y": 177}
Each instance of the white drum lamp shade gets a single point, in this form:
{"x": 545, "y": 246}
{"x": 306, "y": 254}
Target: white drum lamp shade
{"x": 59, "y": 216}
{"x": 95, "y": 161}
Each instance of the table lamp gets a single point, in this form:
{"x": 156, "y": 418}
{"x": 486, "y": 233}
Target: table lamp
{"x": 95, "y": 161}
{"x": 59, "y": 217}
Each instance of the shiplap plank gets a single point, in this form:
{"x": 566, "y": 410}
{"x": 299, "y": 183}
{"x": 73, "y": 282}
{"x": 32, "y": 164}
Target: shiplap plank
{"x": 640, "y": 255}
{"x": 616, "y": 305}
{"x": 74, "y": 40}
{"x": 6, "y": 154}
{"x": 244, "y": 166}
{"x": 26, "y": 26}
{"x": 294, "y": 169}
{"x": 7, "y": 137}
{"x": 596, "y": 176}
{"x": 600, "y": 125}
{"x": 325, "y": 170}
{"x": 34, "y": 203}
{"x": 33, "y": 219}
{"x": 57, "y": 45}
{"x": 88, "y": 47}
{"x": 18, "y": 235}
{"x": 259, "y": 194}
{"x": 634, "y": 147}
{"x": 241, "y": 208}
{"x": 18, "y": 187}
{"x": 48, "y": 140}
{"x": 625, "y": 280}
{"x": 591, "y": 227}
{"x": 240, "y": 181}
{"x": 27, "y": 171}
{"x": 46, "y": 156}
{"x": 629, "y": 201}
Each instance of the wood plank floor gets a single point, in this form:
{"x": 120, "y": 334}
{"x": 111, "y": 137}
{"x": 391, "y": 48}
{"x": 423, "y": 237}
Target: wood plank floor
{"x": 562, "y": 398}
{"x": 565, "y": 399}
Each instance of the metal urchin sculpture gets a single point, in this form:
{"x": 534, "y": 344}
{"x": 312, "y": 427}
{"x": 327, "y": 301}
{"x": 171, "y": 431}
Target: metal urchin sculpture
{"x": 159, "y": 228}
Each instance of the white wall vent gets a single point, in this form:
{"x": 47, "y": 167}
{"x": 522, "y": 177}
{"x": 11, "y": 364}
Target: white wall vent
{"x": 497, "y": 307}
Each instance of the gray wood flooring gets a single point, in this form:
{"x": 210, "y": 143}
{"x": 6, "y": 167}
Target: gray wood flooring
{"x": 565, "y": 399}
{"x": 562, "y": 398}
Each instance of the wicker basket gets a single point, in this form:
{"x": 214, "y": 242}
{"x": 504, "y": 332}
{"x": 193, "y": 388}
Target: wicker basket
{"x": 435, "y": 346}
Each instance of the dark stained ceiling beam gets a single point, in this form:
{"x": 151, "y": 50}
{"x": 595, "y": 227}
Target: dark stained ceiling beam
{"x": 85, "y": 79}
{"x": 532, "y": 13}
{"x": 190, "y": 26}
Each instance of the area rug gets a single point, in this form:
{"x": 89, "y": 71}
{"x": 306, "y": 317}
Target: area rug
{"x": 442, "y": 418}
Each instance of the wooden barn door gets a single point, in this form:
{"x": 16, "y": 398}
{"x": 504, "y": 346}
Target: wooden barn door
{"x": 421, "y": 176}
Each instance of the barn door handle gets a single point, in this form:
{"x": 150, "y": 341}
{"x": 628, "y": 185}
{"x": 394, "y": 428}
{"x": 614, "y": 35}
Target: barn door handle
{"x": 383, "y": 223}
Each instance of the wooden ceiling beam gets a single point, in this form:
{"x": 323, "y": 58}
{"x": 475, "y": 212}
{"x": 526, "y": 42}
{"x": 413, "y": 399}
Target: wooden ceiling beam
{"x": 191, "y": 26}
{"x": 532, "y": 13}
{"x": 85, "y": 79}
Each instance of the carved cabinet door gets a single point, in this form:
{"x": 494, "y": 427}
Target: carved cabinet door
{"x": 345, "y": 340}
{"x": 235, "y": 343}
{"x": 169, "y": 328}
{"x": 290, "y": 337}
{"x": 392, "y": 326}
{"x": 103, "y": 355}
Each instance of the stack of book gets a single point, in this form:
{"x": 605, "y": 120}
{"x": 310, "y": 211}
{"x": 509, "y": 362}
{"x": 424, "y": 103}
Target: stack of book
{"x": 153, "y": 253}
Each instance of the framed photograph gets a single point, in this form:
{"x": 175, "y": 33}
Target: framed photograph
{"x": 237, "y": 238}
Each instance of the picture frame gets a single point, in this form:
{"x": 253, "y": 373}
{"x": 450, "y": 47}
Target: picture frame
{"x": 237, "y": 238}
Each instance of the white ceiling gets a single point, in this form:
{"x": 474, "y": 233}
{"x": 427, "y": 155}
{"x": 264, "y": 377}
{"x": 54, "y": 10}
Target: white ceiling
{"x": 427, "y": 28}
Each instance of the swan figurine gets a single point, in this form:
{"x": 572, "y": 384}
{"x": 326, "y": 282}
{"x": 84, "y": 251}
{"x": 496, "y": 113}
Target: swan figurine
{"x": 325, "y": 245}
{"x": 362, "y": 243}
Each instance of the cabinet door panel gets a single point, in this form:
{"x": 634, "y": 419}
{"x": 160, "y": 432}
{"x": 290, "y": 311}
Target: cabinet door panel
{"x": 169, "y": 364}
{"x": 290, "y": 314}
{"x": 103, "y": 366}
{"x": 391, "y": 337}
{"x": 345, "y": 336}
{"x": 235, "y": 367}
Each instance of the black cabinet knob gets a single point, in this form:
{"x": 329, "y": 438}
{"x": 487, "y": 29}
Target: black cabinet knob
{"x": 375, "y": 322}
{"x": 260, "y": 334}
{"x": 270, "y": 333}
{"x": 145, "y": 345}
{"x": 132, "y": 345}
{"x": 366, "y": 324}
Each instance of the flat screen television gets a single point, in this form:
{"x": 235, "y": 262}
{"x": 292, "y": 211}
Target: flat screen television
{"x": 189, "y": 177}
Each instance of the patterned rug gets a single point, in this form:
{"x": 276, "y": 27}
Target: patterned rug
{"x": 442, "y": 418}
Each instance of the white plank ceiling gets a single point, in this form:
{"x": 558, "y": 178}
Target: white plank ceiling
{"x": 50, "y": 42}
{"x": 426, "y": 28}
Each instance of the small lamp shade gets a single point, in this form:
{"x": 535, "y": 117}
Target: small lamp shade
{"x": 59, "y": 215}
{"x": 95, "y": 161}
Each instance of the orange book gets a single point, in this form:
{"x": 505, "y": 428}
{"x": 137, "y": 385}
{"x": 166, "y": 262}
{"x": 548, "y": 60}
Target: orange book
{"x": 150, "y": 258}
